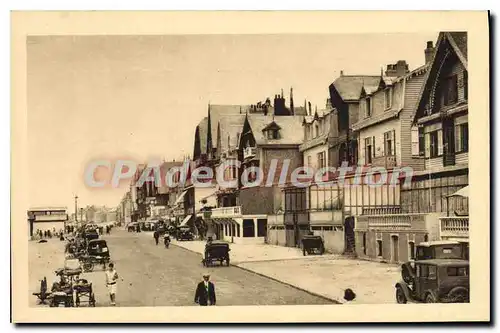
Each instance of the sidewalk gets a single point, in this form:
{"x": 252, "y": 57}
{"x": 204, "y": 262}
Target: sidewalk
{"x": 243, "y": 253}
{"x": 326, "y": 275}
{"x": 372, "y": 282}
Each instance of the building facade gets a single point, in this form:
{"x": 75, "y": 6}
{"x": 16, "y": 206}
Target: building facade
{"x": 46, "y": 219}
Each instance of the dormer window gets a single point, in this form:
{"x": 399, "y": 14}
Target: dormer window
{"x": 368, "y": 107}
{"x": 272, "y": 134}
{"x": 272, "y": 131}
{"x": 388, "y": 98}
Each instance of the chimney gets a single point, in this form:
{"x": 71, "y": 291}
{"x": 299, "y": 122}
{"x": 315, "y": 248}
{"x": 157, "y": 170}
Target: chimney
{"x": 398, "y": 69}
{"x": 341, "y": 73}
{"x": 310, "y": 109}
{"x": 429, "y": 52}
{"x": 328, "y": 103}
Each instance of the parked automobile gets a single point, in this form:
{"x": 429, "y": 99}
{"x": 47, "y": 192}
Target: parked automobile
{"x": 434, "y": 281}
{"x": 184, "y": 233}
{"x": 216, "y": 251}
{"x": 312, "y": 244}
{"x": 442, "y": 250}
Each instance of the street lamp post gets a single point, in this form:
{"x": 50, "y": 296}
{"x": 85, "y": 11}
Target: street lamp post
{"x": 76, "y": 208}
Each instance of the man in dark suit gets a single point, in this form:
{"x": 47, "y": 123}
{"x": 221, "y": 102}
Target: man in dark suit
{"x": 205, "y": 292}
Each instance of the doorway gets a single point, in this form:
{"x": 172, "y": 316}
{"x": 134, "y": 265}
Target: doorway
{"x": 394, "y": 248}
{"x": 349, "y": 235}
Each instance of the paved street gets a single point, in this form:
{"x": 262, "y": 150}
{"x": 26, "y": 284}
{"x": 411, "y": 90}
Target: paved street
{"x": 151, "y": 275}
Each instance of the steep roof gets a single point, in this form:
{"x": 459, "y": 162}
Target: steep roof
{"x": 230, "y": 126}
{"x": 349, "y": 86}
{"x": 202, "y": 129}
{"x": 291, "y": 131}
{"x": 217, "y": 112}
{"x": 460, "y": 39}
{"x": 458, "y": 43}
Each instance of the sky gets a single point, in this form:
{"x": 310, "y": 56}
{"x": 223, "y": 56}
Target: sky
{"x": 141, "y": 97}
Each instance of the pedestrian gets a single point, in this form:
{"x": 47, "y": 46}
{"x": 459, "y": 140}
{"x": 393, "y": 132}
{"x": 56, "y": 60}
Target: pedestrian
{"x": 156, "y": 235}
{"x": 205, "y": 292}
{"x": 111, "y": 280}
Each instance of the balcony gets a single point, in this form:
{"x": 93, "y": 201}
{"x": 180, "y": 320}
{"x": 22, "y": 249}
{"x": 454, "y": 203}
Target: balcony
{"x": 391, "y": 222}
{"x": 454, "y": 228}
{"x": 387, "y": 162}
{"x": 224, "y": 212}
{"x": 249, "y": 152}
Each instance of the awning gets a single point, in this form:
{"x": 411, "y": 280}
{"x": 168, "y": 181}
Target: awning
{"x": 179, "y": 199}
{"x": 185, "y": 221}
{"x": 464, "y": 192}
{"x": 224, "y": 221}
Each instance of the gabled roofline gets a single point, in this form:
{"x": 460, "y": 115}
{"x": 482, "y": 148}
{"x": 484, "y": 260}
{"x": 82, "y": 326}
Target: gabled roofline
{"x": 442, "y": 36}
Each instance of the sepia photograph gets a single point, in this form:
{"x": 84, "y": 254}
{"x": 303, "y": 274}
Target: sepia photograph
{"x": 328, "y": 170}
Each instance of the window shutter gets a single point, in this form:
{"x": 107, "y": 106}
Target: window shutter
{"x": 385, "y": 143}
{"x": 440, "y": 142}
{"x": 466, "y": 84}
{"x": 414, "y": 141}
{"x": 427, "y": 145}
{"x": 454, "y": 85}
{"x": 421, "y": 141}
{"x": 373, "y": 145}
{"x": 458, "y": 139}
{"x": 393, "y": 146}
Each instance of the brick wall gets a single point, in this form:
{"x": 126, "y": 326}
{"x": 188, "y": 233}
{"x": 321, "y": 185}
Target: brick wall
{"x": 257, "y": 200}
{"x": 293, "y": 154}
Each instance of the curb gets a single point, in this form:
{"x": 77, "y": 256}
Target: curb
{"x": 335, "y": 301}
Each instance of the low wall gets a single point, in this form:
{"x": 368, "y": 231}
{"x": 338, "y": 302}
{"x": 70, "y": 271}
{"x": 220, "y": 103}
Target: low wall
{"x": 334, "y": 240}
{"x": 276, "y": 237}
{"x": 248, "y": 240}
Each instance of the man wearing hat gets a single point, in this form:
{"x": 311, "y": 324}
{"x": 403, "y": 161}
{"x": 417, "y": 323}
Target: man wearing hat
{"x": 205, "y": 292}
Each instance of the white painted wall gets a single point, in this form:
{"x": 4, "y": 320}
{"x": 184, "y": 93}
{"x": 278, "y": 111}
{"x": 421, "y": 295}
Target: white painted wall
{"x": 313, "y": 152}
{"x": 378, "y": 131}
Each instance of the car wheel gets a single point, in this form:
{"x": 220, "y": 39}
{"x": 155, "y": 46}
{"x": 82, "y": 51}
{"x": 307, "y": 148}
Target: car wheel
{"x": 459, "y": 295}
{"x": 429, "y": 298}
{"x": 400, "y": 296}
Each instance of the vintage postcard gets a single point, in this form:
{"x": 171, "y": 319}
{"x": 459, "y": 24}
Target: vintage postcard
{"x": 204, "y": 167}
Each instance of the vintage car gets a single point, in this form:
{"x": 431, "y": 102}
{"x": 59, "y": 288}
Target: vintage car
{"x": 312, "y": 244}
{"x": 434, "y": 281}
{"x": 132, "y": 227}
{"x": 216, "y": 251}
{"x": 89, "y": 235}
{"x": 97, "y": 253}
{"x": 184, "y": 233}
{"x": 442, "y": 250}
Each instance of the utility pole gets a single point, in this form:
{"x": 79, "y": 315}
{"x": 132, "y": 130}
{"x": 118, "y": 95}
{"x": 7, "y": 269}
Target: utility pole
{"x": 76, "y": 208}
